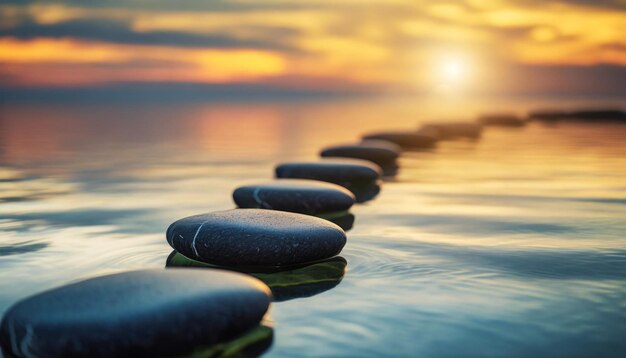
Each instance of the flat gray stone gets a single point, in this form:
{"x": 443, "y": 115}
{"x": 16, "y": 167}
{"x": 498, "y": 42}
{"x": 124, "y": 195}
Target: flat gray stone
{"x": 382, "y": 144}
{"x": 406, "y": 140}
{"x": 361, "y": 177}
{"x": 584, "y": 115}
{"x": 382, "y": 153}
{"x": 255, "y": 238}
{"x": 501, "y": 120}
{"x": 452, "y": 130}
{"x": 150, "y": 313}
{"x": 295, "y": 195}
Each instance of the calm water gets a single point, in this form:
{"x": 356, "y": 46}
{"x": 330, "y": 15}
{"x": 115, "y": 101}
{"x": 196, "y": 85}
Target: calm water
{"x": 511, "y": 245}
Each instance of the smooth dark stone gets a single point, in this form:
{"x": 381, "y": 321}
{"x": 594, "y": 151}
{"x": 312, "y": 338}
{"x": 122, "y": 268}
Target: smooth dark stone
{"x": 361, "y": 177}
{"x": 382, "y": 155}
{"x": 406, "y": 140}
{"x": 295, "y": 195}
{"x": 591, "y": 115}
{"x": 150, "y": 313}
{"x": 501, "y": 120}
{"x": 296, "y": 282}
{"x": 452, "y": 130}
{"x": 255, "y": 238}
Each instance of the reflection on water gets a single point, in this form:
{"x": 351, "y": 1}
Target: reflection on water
{"x": 21, "y": 247}
{"x": 512, "y": 244}
{"x": 344, "y": 220}
{"x": 250, "y": 344}
{"x": 296, "y": 282}
{"x": 364, "y": 193}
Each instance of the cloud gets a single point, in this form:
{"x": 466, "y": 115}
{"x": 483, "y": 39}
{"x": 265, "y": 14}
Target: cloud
{"x": 118, "y": 31}
{"x": 395, "y": 44}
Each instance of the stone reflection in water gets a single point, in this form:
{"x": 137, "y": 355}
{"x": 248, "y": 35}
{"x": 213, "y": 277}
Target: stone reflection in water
{"x": 295, "y": 282}
{"x": 343, "y": 219}
{"x": 251, "y": 344}
{"x": 365, "y": 192}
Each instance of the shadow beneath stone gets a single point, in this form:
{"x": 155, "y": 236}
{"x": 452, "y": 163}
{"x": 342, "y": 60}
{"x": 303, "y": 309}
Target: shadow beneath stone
{"x": 364, "y": 191}
{"x": 251, "y": 344}
{"x": 343, "y": 219}
{"x": 390, "y": 169}
{"x": 285, "y": 283}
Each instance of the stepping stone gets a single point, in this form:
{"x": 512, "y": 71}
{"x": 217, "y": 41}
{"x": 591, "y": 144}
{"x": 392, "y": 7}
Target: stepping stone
{"x": 384, "y": 154}
{"x": 309, "y": 197}
{"x": 599, "y": 115}
{"x": 382, "y": 143}
{"x": 249, "y": 238}
{"x": 361, "y": 177}
{"x": 406, "y": 140}
{"x": 149, "y": 313}
{"x": 429, "y": 131}
{"x": 501, "y": 120}
{"x": 297, "y": 282}
{"x": 452, "y": 130}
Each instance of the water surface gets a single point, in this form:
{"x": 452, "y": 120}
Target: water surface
{"x": 508, "y": 245}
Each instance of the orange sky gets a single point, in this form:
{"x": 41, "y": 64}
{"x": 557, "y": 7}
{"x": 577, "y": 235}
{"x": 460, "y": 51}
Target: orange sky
{"x": 355, "y": 44}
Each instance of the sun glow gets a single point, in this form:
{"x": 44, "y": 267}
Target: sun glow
{"x": 452, "y": 70}
{"x": 451, "y": 73}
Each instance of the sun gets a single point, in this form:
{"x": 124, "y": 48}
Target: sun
{"x": 451, "y": 73}
{"x": 452, "y": 70}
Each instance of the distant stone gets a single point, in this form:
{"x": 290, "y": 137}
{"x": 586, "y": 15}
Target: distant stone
{"x": 383, "y": 154}
{"x": 150, "y": 313}
{"x": 429, "y": 132}
{"x": 361, "y": 177}
{"x": 299, "y": 196}
{"x": 501, "y": 120}
{"x": 255, "y": 238}
{"x": 296, "y": 282}
{"x": 599, "y": 115}
{"x": 382, "y": 144}
{"x": 548, "y": 115}
{"x": 452, "y": 130}
{"x": 406, "y": 140}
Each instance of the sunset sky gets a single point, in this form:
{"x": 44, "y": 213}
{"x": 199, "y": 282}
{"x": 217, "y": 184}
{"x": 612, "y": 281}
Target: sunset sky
{"x": 471, "y": 46}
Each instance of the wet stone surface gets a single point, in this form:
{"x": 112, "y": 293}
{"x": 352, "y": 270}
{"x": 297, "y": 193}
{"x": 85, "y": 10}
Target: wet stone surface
{"x": 136, "y": 314}
{"x": 299, "y": 196}
{"x": 255, "y": 238}
{"x": 361, "y": 177}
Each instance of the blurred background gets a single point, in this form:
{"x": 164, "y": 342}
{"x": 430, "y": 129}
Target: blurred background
{"x": 119, "y": 117}
{"x": 291, "y": 48}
